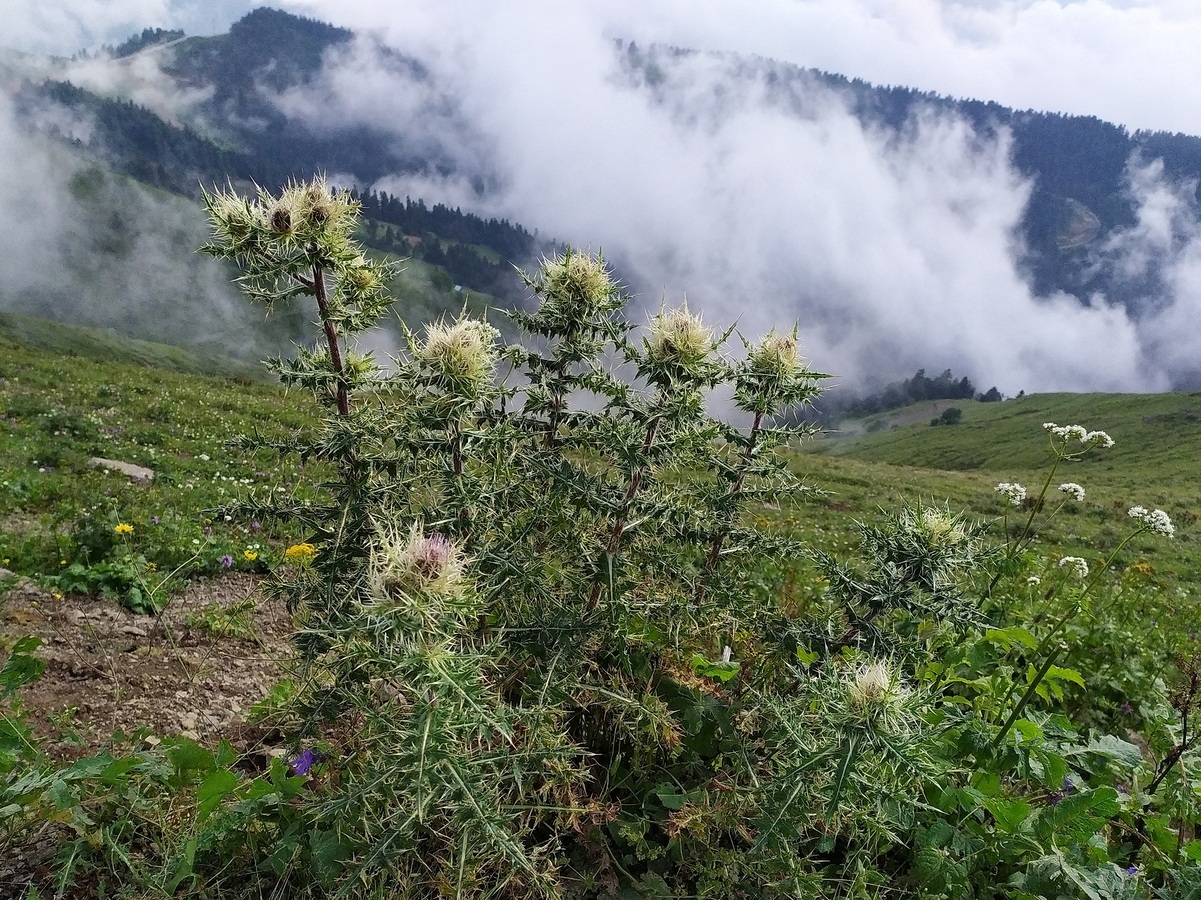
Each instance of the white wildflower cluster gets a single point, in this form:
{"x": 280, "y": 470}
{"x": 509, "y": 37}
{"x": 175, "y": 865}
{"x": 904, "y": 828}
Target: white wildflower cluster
{"x": 1034, "y": 581}
{"x": 1073, "y": 490}
{"x": 1155, "y": 519}
{"x": 1077, "y": 565}
{"x": 1011, "y": 491}
{"x": 1079, "y": 433}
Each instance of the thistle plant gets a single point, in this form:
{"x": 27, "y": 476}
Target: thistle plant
{"x": 537, "y": 661}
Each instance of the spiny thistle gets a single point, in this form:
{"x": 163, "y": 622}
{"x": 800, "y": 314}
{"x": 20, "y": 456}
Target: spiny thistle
{"x": 464, "y": 354}
{"x": 678, "y": 337}
{"x": 403, "y": 564}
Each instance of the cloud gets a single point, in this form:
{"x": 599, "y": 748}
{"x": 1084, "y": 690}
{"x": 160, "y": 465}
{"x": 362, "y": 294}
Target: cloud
{"x": 760, "y": 200}
{"x": 65, "y": 27}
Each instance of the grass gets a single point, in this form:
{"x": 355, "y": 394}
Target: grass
{"x": 58, "y": 515}
{"x": 68, "y": 394}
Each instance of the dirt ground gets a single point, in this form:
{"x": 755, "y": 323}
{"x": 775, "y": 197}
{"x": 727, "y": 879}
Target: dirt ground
{"x": 192, "y": 670}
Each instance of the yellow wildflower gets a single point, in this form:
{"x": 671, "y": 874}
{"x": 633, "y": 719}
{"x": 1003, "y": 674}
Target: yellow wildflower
{"x": 251, "y": 555}
{"x": 123, "y": 528}
{"x": 300, "y": 553}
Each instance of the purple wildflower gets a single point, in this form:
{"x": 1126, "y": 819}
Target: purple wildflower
{"x": 1126, "y": 708}
{"x": 255, "y": 526}
{"x": 302, "y": 764}
{"x": 227, "y": 561}
{"x": 1132, "y": 870}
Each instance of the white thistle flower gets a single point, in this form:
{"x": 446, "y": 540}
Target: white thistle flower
{"x": 406, "y": 564}
{"x": 576, "y": 276}
{"x": 1078, "y": 566}
{"x": 678, "y": 336}
{"x": 1073, "y": 490}
{"x": 874, "y": 686}
{"x": 464, "y": 353}
{"x": 777, "y": 355}
{"x": 941, "y": 529}
{"x": 1011, "y": 491}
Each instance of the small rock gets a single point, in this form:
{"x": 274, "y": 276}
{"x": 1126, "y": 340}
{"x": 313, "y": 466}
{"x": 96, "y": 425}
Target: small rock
{"x": 133, "y": 630}
{"x": 137, "y": 474}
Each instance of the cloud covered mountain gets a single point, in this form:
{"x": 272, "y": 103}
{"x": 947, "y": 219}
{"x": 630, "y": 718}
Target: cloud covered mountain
{"x": 903, "y": 230}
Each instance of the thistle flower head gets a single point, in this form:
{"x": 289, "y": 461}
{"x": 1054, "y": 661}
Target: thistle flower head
{"x": 941, "y": 528}
{"x": 777, "y": 355}
{"x": 233, "y": 213}
{"x": 408, "y": 563}
{"x": 576, "y": 278}
{"x": 677, "y": 336}
{"x": 875, "y": 688}
{"x": 463, "y": 353}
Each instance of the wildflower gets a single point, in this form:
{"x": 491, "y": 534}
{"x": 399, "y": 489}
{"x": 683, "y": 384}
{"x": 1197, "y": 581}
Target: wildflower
{"x": 463, "y": 353}
{"x": 1076, "y": 564}
{"x": 777, "y": 355}
{"x": 255, "y": 525}
{"x": 1073, "y": 490}
{"x": 1156, "y": 520}
{"x": 123, "y": 528}
{"x": 301, "y": 553}
{"x": 1079, "y": 433}
{"x": 678, "y": 336}
{"x": 227, "y": 561}
{"x": 940, "y": 528}
{"x": 874, "y": 686}
{"x": 1011, "y": 491}
{"x": 578, "y": 278}
{"x": 1126, "y": 708}
{"x": 1034, "y": 580}
{"x": 304, "y": 763}
{"x": 400, "y": 564}
{"x": 1132, "y": 870}
{"x": 154, "y": 520}
{"x": 251, "y": 555}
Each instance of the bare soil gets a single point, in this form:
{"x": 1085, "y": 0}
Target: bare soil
{"x": 191, "y": 670}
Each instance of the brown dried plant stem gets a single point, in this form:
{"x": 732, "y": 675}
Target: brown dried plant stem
{"x": 619, "y": 524}
{"x": 317, "y": 286}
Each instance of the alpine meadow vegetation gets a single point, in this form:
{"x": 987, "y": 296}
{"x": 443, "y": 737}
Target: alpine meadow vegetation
{"x": 544, "y": 652}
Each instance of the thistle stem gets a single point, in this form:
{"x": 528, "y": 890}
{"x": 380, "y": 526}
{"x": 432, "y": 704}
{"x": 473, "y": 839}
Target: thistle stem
{"x": 331, "y": 338}
{"x": 732, "y": 496}
{"x": 632, "y": 489}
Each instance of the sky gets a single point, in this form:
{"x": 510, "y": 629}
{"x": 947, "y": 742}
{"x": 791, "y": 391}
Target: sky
{"x": 893, "y": 254}
{"x": 1127, "y": 61}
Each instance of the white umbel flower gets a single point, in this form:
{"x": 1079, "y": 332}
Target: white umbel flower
{"x": 1156, "y": 520}
{"x": 1011, "y": 491}
{"x": 1073, "y": 490}
{"x": 1077, "y": 565}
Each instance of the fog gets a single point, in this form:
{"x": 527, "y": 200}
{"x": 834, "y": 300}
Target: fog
{"x": 699, "y": 176}
{"x": 893, "y": 252}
